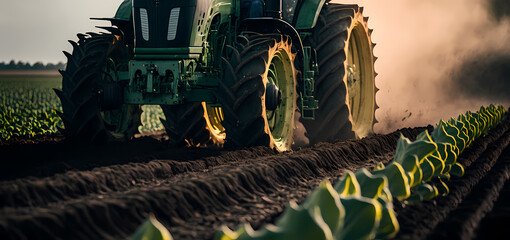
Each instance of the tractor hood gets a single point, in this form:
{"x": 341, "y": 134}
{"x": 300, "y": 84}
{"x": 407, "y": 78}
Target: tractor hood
{"x": 163, "y": 24}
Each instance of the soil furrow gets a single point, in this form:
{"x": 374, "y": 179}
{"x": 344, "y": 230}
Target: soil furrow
{"x": 472, "y": 153}
{"x": 260, "y": 209}
{"x": 419, "y": 220}
{"x": 464, "y": 221}
{"x": 44, "y": 159}
{"x": 234, "y": 187}
{"x": 495, "y": 224}
{"x": 74, "y": 184}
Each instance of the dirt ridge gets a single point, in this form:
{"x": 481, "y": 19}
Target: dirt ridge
{"x": 463, "y": 222}
{"x": 200, "y": 196}
{"x": 33, "y": 191}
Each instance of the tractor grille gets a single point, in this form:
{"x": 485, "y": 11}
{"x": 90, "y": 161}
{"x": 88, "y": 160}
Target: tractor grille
{"x": 173, "y": 23}
{"x": 163, "y": 24}
{"x": 144, "y": 21}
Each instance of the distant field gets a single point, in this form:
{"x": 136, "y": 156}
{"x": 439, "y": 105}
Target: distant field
{"x": 28, "y": 105}
{"x": 29, "y": 73}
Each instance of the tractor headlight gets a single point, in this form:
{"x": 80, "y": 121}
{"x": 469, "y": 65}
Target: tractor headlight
{"x": 144, "y": 20}
{"x": 172, "y": 23}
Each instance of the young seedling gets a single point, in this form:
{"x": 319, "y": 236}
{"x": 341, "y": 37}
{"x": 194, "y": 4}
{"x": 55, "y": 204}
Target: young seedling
{"x": 398, "y": 182}
{"x": 362, "y": 219}
{"x": 153, "y": 230}
{"x": 328, "y": 202}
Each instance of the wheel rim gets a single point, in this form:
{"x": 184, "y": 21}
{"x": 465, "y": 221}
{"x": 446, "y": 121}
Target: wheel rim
{"x": 279, "y": 121}
{"x": 360, "y": 81}
{"x": 214, "y": 117}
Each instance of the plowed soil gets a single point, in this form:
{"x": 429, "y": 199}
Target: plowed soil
{"x": 54, "y": 189}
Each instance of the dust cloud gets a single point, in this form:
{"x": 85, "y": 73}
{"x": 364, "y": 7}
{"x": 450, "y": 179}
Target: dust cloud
{"x": 438, "y": 58}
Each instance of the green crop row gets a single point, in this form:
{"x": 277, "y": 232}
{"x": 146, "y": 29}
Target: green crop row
{"x": 29, "y": 107}
{"x": 28, "y": 111}
{"x": 360, "y": 204}
{"x": 433, "y": 158}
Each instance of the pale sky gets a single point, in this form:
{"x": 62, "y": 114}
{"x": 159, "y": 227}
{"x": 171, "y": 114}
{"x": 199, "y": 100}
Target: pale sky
{"x": 38, "y": 30}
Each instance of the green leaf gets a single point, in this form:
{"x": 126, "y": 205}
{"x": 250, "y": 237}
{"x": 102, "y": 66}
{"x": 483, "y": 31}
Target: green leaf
{"x": 410, "y": 164}
{"x": 371, "y": 185}
{"x": 362, "y": 219}
{"x": 297, "y": 223}
{"x": 463, "y": 133}
{"x": 484, "y": 125}
{"x": 451, "y": 155}
{"x": 442, "y": 188}
{"x": 398, "y": 183}
{"x": 348, "y": 185}
{"x": 452, "y": 130}
{"x": 457, "y": 170}
{"x": 445, "y": 176}
{"x": 151, "y": 229}
{"x": 422, "y": 147}
{"x": 227, "y": 234}
{"x": 468, "y": 124}
{"x": 418, "y": 176}
{"x": 413, "y": 171}
{"x": 423, "y": 192}
{"x": 388, "y": 226}
{"x": 328, "y": 201}
{"x": 424, "y": 136}
{"x": 438, "y": 165}
{"x": 427, "y": 191}
{"x": 441, "y": 152}
{"x": 386, "y": 197}
{"x": 427, "y": 168}
{"x": 490, "y": 117}
{"x": 439, "y": 135}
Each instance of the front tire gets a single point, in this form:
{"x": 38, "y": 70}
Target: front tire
{"x": 345, "y": 87}
{"x": 91, "y": 68}
{"x": 258, "y": 92}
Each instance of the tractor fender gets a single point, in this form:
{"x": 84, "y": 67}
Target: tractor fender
{"x": 122, "y": 20}
{"x": 306, "y": 17}
{"x": 274, "y": 25}
{"x": 124, "y": 10}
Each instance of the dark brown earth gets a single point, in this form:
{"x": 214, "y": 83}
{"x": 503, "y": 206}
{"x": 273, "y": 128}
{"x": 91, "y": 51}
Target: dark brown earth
{"x": 459, "y": 214}
{"x": 55, "y": 189}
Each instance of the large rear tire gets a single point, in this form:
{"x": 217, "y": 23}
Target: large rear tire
{"x": 91, "y": 68}
{"x": 258, "y": 92}
{"x": 345, "y": 87}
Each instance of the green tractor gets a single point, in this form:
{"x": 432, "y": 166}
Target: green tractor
{"x": 235, "y": 72}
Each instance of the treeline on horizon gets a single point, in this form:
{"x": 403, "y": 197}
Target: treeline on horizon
{"x": 13, "y": 65}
